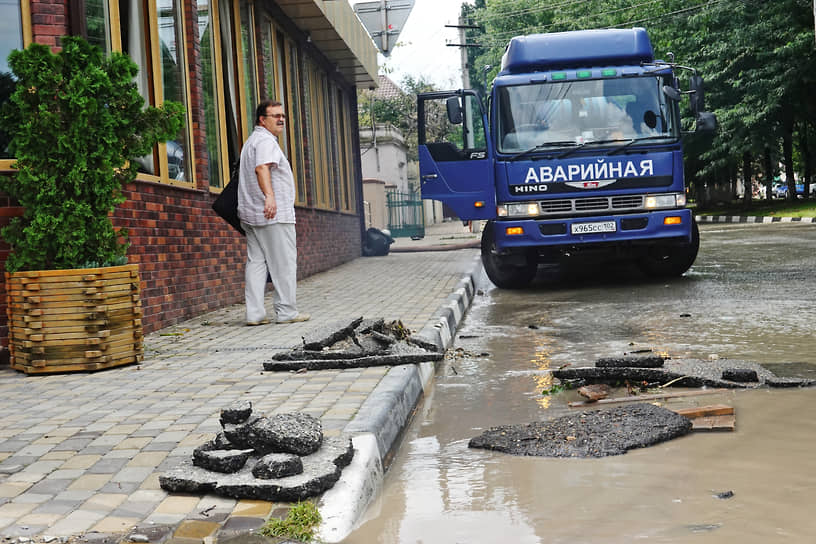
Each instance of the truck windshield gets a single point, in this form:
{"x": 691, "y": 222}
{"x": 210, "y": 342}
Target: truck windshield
{"x": 582, "y": 113}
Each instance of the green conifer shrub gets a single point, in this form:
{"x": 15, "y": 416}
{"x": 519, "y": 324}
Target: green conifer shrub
{"x": 77, "y": 124}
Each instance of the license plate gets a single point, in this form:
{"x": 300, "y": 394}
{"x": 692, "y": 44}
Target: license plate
{"x": 592, "y": 228}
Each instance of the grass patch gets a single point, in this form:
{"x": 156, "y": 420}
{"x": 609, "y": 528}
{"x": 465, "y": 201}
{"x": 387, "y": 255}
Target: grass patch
{"x": 762, "y": 208}
{"x": 300, "y": 523}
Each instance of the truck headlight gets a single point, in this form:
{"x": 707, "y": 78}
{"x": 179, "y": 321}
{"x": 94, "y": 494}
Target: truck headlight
{"x": 521, "y": 209}
{"x": 670, "y": 200}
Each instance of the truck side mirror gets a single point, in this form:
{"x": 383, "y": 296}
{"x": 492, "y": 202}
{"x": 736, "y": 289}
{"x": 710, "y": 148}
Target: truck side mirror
{"x": 697, "y": 97}
{"x": 706, "y": 122}
{"x": 672, "y": 93}
{"x": 454, "y": 110}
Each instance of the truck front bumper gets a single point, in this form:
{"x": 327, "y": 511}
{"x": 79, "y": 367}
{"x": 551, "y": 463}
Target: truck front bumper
{"x": 657, "y": 227}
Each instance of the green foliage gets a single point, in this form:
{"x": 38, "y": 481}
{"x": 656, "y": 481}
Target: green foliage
{"x": 300, "y": 523}
{"x": 399, "y": 111}
{"x": 76, "y": 123}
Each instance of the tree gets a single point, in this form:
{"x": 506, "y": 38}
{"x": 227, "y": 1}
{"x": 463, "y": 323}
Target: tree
{"x": 76, "y": 123}
{"x": 758, "y": 59}
{"x": 400, "y": 111}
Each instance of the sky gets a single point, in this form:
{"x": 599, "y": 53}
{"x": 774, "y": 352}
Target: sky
{"x": 421, "y": 48}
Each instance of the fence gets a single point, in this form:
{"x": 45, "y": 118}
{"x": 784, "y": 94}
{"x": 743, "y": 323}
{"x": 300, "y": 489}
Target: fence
{"x": 406, "y": 216}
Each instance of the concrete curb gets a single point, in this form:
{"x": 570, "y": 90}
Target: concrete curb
{"x": 752, "y": 219}
{"x": 384, "y": 416}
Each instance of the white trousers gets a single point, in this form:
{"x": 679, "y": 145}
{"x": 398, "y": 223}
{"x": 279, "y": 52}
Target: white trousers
{"x": 271, "y": 249}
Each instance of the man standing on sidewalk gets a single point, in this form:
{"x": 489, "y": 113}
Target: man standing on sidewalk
{"x": 266, "y": 207}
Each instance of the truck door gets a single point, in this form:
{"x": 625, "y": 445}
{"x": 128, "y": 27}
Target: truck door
{"x": 455, "y": 153}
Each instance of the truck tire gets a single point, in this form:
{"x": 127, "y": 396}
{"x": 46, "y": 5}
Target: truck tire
{"x": 503, "y": 274}
{"x": 671, "y": 260}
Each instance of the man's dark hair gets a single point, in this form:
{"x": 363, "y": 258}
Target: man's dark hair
{"x": 260, "y": 111}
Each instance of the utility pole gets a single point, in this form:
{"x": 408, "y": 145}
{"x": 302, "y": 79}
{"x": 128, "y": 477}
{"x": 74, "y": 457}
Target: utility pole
{"x": 463, "y": 45}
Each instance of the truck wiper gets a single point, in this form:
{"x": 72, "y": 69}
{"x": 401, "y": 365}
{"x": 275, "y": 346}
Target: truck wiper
{"x": 636, "y": 140}
{"x": 543, "y": 146}
{"x": 569, "y": 152}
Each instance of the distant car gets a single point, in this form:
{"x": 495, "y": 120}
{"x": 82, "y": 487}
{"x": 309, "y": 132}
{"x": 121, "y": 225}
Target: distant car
{"x": 781, "y": 190}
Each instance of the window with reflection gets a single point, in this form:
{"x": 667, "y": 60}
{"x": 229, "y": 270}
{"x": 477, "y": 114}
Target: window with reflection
{"x": 318, "y": 108}
{"x": 11, "y": 38}
{"x": 229, "y": 70}
{"x": 250, "y": 73}
{"x": 295, "y": 126}
{"x": 132, "y": 33}
{"x": 173, "y": 79}
{"x": 98, "y": 23}
{"x": 207, "y": 34}
{"x": 346, "y": 162}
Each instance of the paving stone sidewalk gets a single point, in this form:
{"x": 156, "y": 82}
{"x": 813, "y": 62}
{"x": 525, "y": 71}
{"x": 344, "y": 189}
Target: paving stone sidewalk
{"x": 81, "y": 454}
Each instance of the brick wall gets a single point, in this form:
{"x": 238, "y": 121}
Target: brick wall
{"x": 192, "y": 262}
{"x": 49, "y": 21}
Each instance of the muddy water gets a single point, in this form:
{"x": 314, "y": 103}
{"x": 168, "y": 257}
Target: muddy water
{"x": 740, "y": 301}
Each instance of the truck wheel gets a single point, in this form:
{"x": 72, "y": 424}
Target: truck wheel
{"x": 504, "y": 274}
{"x": 671, "y": 261}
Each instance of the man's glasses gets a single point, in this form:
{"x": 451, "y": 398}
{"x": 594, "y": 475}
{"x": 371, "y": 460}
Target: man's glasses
{"x": 276, "y": 115}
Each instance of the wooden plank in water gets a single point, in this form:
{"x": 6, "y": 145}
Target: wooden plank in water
{"x": 639, "y": 398}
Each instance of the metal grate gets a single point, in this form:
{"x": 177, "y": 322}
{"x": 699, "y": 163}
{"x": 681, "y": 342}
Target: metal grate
{"x": 591, "y": 204}
{"x": 556, "y": 206}
{"x": 627, "y": 202}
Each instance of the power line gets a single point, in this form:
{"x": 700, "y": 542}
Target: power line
{"x": 584, "y": 17}
{"x": 496, "y": 40}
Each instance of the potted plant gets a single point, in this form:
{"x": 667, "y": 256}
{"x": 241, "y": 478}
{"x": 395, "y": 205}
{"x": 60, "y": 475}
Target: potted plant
{"x": 76, "y": 124}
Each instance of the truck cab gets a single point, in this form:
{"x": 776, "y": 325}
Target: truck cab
{"x": 579, "y": 156}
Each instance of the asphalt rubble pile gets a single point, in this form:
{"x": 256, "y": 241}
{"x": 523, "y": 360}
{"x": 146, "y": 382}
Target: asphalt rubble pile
{"x": 356, "y": 344}
{"x": 591, "y": 433}
{"x": 603, "y": 432}
{"x": 655, "y": 369}
{"x": 284, "y": 457}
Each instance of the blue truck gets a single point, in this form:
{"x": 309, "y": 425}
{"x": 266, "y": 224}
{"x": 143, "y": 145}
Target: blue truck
{"x": 579, "y": 160}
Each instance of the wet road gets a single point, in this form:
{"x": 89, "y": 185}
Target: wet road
{"x": 749, "y": 296}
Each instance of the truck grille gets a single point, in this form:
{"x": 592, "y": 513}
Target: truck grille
{"x": 592, "y": 204}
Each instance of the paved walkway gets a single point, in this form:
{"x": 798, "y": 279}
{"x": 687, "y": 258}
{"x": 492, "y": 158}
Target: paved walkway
{"x": 81, "y": 454}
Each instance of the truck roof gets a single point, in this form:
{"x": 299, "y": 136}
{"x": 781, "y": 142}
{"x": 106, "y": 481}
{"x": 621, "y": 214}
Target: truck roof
{"x": 581, "y": 48}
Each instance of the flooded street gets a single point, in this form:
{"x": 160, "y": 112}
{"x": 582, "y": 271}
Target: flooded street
{"x": 749, "y": 296}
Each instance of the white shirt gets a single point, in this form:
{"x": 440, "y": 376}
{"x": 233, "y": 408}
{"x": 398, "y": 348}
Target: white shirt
{"x": 262, "y": 148}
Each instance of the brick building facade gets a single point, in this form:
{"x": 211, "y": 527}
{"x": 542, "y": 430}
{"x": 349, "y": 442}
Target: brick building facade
{"x": 219, "y": 58}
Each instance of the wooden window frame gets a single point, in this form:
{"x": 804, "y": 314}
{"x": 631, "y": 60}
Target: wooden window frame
{"x": 347, "y": 200}
{"x": 246, "y": 125}
{"x": 158, "y": 90}
{"x": 318, "y": 144}
{"x": 25, "y": 23}
{"x": 220, "y": 98}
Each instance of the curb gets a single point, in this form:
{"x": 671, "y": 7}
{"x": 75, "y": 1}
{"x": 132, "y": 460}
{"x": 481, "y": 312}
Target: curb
{"x": 384, "y": 415}
{"x": 752, "y": 219}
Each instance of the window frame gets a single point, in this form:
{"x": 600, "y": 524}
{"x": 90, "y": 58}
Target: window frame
{"x": 347, "y": 193}
{"x": 25, "y": 23}
{"x": 220, "y": 97}
{"x": 319, "y": 146}
{"x": 158, "y": 91}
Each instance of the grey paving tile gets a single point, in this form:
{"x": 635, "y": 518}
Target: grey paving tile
{"x": 60, "y": 507}
{"x": 50, "y": 486}
{"x": 120, "y": 487}
{"x": 108, "y": 465}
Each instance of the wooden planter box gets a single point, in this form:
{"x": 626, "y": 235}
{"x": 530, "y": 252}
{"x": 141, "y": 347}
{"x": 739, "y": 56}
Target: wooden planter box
{"x": 74, "y": 320}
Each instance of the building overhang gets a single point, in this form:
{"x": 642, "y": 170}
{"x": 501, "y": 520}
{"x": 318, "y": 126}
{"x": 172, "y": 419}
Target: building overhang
{"x": 335, "y": 30}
